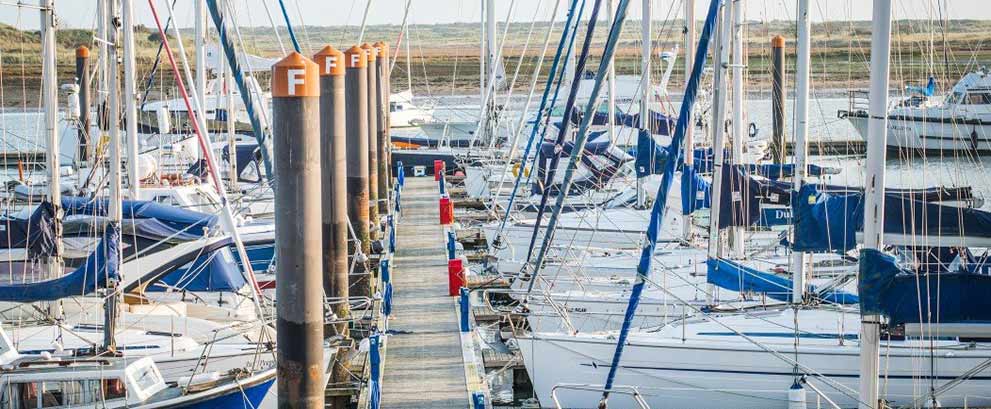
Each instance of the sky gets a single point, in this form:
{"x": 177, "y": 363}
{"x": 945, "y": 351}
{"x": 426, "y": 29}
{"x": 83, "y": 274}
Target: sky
{"x": 81, "y": 13}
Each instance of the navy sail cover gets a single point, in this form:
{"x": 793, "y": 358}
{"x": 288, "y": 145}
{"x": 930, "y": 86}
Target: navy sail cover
{"x": 601, "y": 159}
{"x": 101, "y": 266}
{"x": 905, "y": 296}
{"x": 829, "y": 222}
{"x": 734, "y": 276}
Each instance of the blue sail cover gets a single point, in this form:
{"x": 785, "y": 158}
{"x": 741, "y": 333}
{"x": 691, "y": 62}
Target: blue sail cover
{"x": 217, "y": 271}
{"x": 598, "y": 145}
{"x": 660, "y": 124}
{"x": 744, "y": 194}
{"x": 737, "y": 277}
{"x": 100, "y": 266}
{"x": 695, "y": 191}
{"x": 35, "y": 233}
{"x": 906, "y": 297}
{"x": 826, "y": 222}
{"x": 168, "y": 217}
{"x": 246, "y": 155}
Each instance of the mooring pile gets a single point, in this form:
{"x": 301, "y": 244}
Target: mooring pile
{"x": 332, "y": 156}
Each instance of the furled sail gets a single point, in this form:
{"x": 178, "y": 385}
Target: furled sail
{"x": 101, "y": 266}
{"x": 827, "y": 222}
{"x": 737, "y": 277}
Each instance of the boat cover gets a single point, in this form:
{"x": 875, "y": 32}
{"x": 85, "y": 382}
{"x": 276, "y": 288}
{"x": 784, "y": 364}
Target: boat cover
{"x": 216, "y": 271}
{"x": 168, "y": 218}
{"x": 904, "y": 296}
{"x": 602, "y": 159}
{"x": 36, "y": 233}
{"x": 650, "y": 158}
{"x": 101, "y": 266}
{"x": 661, "y": 124}
{"x": 734, "y": 276}
{"x": 828, "y": 222}
{"x": 745, "y": 195}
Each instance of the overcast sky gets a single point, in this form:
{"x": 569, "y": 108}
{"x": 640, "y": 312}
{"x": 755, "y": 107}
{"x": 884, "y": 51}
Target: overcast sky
{"x": 81, "y": 13}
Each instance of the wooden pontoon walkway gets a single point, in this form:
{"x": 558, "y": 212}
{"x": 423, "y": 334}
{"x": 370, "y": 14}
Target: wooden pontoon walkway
{"x": 423, "y": 365}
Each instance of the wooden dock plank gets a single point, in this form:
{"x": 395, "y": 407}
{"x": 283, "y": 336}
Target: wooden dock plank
{"x": 423, "y": 363}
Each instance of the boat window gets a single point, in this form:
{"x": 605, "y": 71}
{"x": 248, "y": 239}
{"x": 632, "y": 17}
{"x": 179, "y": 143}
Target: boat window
{"x": 954, "y": 98}
{"x": 978, "y": 98}
{"x": 114, "y": 388}
{"x": 52, "y": 394}
{"x": 393, "y": 107}
{"x": 166, "y": 199}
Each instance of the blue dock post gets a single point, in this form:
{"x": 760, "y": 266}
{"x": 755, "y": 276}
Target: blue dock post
{"x": 464, "y": 303}
{"x": 450, "y": 245}
{"x": 478, "y": 400}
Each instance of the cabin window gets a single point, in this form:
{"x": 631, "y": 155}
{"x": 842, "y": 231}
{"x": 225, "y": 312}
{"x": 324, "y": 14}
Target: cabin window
{"x": 167, "y": 200}
{"x": 954, "y": 98}
{"x": 978, "y": 98}
{"x": 393, "y": 107}
{"x": 51, "y": 394}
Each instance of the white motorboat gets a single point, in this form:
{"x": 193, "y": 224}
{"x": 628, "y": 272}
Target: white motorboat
{"x": 403, "y": 113}
{"x": 959, "y": 121}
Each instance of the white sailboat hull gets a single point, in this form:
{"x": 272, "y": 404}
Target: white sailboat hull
{"x": 704, "y": 364}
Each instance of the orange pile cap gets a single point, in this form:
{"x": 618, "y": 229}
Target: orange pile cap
{"x": 355, "y": 57}
{"x": 382, "y": 48}
{"x": 370, "y": 51}
{"x": 295, "y": 76}
{"x": 330, "y": 61}
{"x": 82, "y": 52}
{"x": 778, "y": 41}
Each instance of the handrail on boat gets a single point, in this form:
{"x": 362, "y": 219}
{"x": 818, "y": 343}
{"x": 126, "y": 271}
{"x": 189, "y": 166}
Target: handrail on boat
{"x": 818, "y": 392}
{"x": 620, "y": 389}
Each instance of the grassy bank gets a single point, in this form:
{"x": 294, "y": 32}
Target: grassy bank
{"x": 445, "y": 56}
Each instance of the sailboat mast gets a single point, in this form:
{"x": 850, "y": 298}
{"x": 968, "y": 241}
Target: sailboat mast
{"x": 493, "y": 68}
{"x": 114, "y": 212}
{"x": 718, "y": 133}
{"x": 645, "y": 49}
{"x": 611, "y": 79}
{"x": 228, "y": 78}
{"x": 877, "y": 129}
{"x": 130, "y": 110}
{"x": 689, "y": 155}
{"x": 483, "y": 51}
{"x": 50, "y": 103}
{"x": 801, "y": 134}
{"x": 200, "y": 42}
{"x": 102, "y": 70}
{"x": 736, "y": 233}
{"x": 409, "y": 63}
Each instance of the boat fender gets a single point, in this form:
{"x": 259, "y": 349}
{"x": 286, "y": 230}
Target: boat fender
{"x": 752, "y": 131}
{"x": 796, "y": 396}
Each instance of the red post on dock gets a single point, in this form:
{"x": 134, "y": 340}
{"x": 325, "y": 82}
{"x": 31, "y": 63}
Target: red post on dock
{"x": 446, "y": 211}
{"x": 455, "y": 276}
